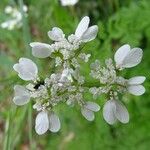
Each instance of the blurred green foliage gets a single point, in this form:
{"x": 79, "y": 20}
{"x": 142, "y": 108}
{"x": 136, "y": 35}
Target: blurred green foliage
{"x": 119, "y": 22}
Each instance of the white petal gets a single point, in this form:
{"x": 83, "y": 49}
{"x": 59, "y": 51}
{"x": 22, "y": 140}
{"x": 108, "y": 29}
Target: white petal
{"x": 40, "y": 50}
{"x": 133, "y": 58}
{"x": 90, "y": 34}
{"x": 88, "y": 114}
{"x": 41, "y": 123}
{"x": 26, "y": 68}
{"x": 20, "y": 90}
{"x": 22, "y": 96}
{"x": 21, "y": 100}
{"x": 136, "y": 80}
{"x": 66, "y": 75}
{"x": 56, "y": 34}
{"x": 121, "y": 112}
{"x": 121, "y": 53}
{"x": 136, "y": 89}
{"x": 108, "y": 112}
{"x": 82, "y": 26}
{"x": 92, "y": 106}
{"x": 54, "y": 123}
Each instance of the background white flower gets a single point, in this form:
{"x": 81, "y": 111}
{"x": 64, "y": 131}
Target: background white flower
{"x": 135, "y": 87}
{"x": 68, "y": 2}
{"x": 125, "y": 57}
{"x": 16, "y": 17}
{"x": 114, "y": 110}
{"x": 27, "y": 69}
{"x": 8, "y": 9}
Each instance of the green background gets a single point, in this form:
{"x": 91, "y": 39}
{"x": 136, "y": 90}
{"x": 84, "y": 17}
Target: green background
{"x": 119, "y": 22}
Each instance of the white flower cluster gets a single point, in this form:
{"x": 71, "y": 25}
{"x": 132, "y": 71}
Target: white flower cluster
{"x": 15, "y": 20}
{"x": 112, "y": 84}
{"x": 64, "y": 85}
{"x": 67, "y": 85}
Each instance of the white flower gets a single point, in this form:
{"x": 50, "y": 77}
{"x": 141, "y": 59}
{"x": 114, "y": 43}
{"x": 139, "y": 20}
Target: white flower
{"x": 41, "y": 50}
{"x": 65, "y": 82}
{"x": 37, "y": 106}
{"x": 66, "y": 75}
{"x": 10, "y": 24}
{"x": 114, "y": 110}
{"x": 22, "y": 95}
{"x": 16, "y": 18}
{"x": 68, "y": 2}
{"x": 84, "y": 57}
{"x": 65, "y": 47}
{"x": 134, "y": 85}
{"x": 25, "y": 8}
{"x": 88, "y": 110}
{"x": 8, "y": 9}
{"x": 44, "y": 122}
{"x": 56, "y": 34}
{"x": 27, "y": 69}
{"x": 125, "y": 57}
{"x": 84, "y": 32}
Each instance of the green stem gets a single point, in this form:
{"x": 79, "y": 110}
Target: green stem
{"x": 116, "y": 3}
{"x": 73, "y": 12}
{"x": 7, "y": 134}
{"x": 79, "y": 50}
{"x": 30, "y": 125}
{"x": 92, "y": 84}
{"x": 26, "y": 30}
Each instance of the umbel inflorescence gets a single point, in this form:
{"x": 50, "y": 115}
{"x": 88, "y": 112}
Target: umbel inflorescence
{"x": 67, "y": 85}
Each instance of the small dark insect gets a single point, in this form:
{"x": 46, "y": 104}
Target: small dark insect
{"x": 38, "y": 84}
